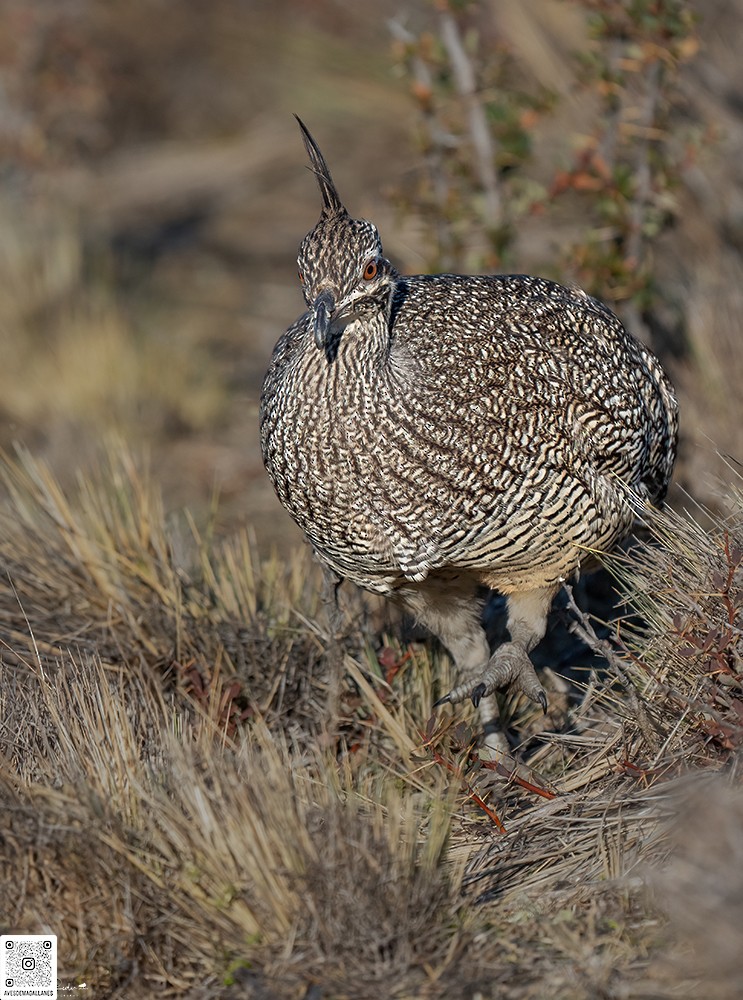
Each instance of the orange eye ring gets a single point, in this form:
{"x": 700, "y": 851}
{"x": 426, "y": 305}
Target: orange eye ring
{"x": 371, "y": 270}
{"x": 301, "y": 277}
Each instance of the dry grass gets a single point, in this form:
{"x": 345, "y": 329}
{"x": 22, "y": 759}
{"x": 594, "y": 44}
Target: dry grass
{"x": 213, "y": 787}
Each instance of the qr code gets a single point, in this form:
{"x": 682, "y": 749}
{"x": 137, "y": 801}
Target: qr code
{"x": 28, "y": 965}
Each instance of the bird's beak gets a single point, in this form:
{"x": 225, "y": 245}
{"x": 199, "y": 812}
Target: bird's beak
{"x": 322, "y": 314}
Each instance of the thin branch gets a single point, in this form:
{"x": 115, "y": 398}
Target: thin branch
{"x": 642, "y": 171}
{"x": 480, "y": 134}
{"x": 582, "y": 627}
{"x": 435, "y": 145}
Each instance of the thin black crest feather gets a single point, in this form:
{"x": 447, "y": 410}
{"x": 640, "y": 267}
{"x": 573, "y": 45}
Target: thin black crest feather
{"x": 330, "y": 199}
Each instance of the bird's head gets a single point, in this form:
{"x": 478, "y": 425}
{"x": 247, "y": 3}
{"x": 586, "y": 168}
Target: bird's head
{"x": 342, "y": 267}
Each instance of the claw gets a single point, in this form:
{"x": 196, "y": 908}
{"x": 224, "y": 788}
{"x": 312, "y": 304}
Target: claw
{"x": 542, "y": 699}
{"x": 478, "y": 694}
{"x": 446, "y": 700}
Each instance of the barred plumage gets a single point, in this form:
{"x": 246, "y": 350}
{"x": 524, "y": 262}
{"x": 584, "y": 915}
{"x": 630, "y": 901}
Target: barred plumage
{"x": 434, "y": 433}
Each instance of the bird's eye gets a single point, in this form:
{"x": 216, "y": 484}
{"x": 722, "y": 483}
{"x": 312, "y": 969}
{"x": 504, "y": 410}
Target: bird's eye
{"x": 370, "y": 271}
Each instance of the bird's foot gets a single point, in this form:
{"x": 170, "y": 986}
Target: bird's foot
{"x": 509, "y": 668}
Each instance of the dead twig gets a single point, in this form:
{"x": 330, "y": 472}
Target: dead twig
{"x": 581, "y": 626}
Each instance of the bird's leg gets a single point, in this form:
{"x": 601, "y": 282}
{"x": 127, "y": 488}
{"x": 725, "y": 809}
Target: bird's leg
{"x": 453, "y": 615}
{"x": 510, "y": 667}
{"x": 471, "y": 654}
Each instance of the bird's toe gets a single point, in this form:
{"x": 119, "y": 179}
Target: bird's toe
{"x": 454, "y": 696}
{"x": 525, "y": 679}
{"x": 478, "y": 694}
{"x": 510, "y": 669}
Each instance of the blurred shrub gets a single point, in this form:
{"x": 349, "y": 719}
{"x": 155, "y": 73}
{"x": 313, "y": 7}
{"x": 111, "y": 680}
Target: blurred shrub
{"x": 480, "y": 123}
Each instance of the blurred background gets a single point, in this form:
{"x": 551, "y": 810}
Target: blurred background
{"x": 153, "y": 193}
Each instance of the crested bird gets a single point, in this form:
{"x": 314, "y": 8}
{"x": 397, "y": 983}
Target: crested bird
{"x": 436, "y": 433}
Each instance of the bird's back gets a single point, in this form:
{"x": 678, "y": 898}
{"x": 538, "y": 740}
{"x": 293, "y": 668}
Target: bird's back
{"x": 506, "y": 425}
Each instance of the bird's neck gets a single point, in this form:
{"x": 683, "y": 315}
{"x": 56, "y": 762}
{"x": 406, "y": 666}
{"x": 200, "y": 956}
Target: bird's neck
{"x": 362, "y": 349}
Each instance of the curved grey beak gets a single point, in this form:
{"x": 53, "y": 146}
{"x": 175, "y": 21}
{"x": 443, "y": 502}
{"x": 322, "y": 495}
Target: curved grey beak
{"x": 322, "y": 314}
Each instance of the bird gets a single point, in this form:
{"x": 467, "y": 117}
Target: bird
{"x": 438, "y": 436}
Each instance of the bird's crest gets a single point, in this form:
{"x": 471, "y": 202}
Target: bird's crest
{"x": 331, "y": 201}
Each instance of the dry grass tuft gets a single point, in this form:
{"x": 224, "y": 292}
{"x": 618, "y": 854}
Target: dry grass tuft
{"x": 163, "y": 857}
{"x": 688, "y": 589}
{"x": 211, "y": 784}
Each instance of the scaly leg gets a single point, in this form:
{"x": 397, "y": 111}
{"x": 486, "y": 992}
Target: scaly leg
{"x": 510, "y": 666}
{"x": 452, "y": 612}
